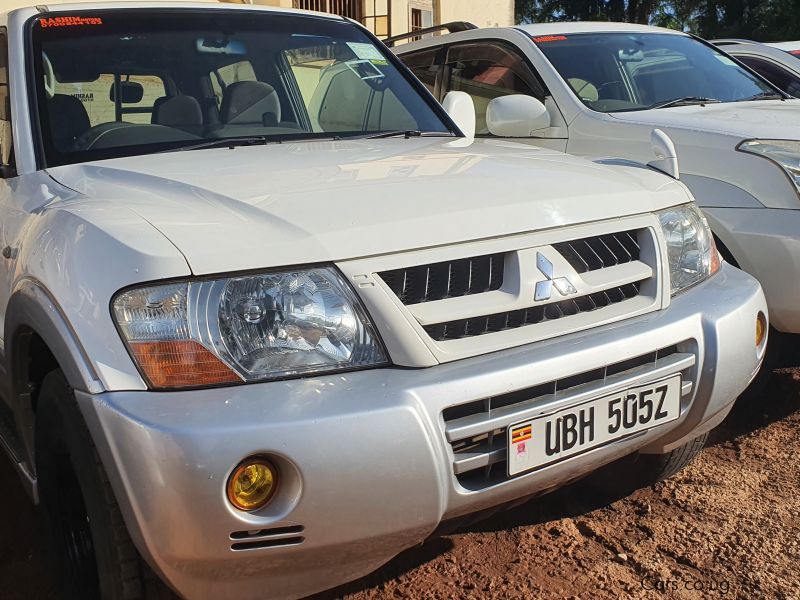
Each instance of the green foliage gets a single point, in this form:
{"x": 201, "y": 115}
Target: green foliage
{"x": 762, "y": 20}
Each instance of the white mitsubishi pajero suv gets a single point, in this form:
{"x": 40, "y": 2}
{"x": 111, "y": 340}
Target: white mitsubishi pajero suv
{"x": 269, "y": 318}
{"x": 599, "y": 89}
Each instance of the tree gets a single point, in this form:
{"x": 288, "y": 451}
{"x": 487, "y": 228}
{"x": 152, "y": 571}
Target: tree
{"x": 760, "y": 20}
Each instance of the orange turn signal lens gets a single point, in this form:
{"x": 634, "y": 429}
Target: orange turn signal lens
{"x": 716, "y": 260}
{"x": 181, "y": 363}
{"x": 252, "y": 484}
{"x": 761, "y": 329}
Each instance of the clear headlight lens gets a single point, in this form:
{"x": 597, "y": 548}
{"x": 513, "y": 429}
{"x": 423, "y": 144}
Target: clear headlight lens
{"x": 691, "y": 250}
{"x": 247, "y": 328}
{"x": 786, "y": 153}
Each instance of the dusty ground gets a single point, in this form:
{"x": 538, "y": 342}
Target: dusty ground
{"x": 727, "y": 526}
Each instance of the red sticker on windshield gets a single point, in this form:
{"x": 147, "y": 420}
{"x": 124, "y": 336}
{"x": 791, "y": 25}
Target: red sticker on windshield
{"x": 549, "y": 38}
{"x": 69, "y": 21}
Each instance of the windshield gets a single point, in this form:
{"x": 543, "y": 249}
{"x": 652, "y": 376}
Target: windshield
{"x": 122, "y": 82}
{"x": 614, "y": 72}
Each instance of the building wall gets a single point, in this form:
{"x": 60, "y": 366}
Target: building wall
{"x": 484, "y": 13}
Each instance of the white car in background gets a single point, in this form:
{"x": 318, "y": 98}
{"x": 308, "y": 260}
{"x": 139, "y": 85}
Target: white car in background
{"x": 780, "y": 67}
{"x": 599, "y": 89}
{"x": 790, "y": 47}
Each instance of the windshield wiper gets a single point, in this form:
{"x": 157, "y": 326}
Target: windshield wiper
{"x": 406, "y": 133}
{"x": 764, "y": 96}
{"x": 685, "y": 101}
{"x": 233, "y": 142}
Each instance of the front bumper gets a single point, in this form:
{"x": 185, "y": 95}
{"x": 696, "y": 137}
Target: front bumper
{"x": 365, "y": 465}
{"x": 766, "y": 243}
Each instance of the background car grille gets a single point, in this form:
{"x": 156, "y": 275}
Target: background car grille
{"x": 449, "y": 279}
{"x": 601, "y": 251}
{"x": 481, "y": 325}
{"x": 480, "y": 454}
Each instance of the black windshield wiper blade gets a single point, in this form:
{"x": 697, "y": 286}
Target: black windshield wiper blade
{"x": 406, "y": 133}
{"x": 764, "y": 96}
{"x": 233, "y": 142}
{"x": 686, "y": 101}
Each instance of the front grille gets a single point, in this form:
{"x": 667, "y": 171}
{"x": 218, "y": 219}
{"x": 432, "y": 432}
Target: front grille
{"x": 449, "y": 279}
{"x": 452, "y": 330}
{"x": 601, "y": 251}
{"x": 479, "y": 456}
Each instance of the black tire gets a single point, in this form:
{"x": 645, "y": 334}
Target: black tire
{"x": 652, "y": 468}
{"x": 642, "y": 470}
{"x": 92, "y": 552}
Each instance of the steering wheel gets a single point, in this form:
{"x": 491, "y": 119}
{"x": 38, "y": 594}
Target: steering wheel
{"x": 49, "y": 76}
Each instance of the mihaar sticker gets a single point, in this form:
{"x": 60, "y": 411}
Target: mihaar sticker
{"x": 543, "y": 39}
{"x": 69, "y": 21}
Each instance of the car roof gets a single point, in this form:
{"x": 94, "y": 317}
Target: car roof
{"x": 788, "y": 46}
{"x": 10, "y": 6}
{"x": 571, "y": 27}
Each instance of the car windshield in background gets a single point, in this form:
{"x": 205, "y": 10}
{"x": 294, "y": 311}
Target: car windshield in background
{"x": 617, "y": 72}
{"x": 134, "y": 82}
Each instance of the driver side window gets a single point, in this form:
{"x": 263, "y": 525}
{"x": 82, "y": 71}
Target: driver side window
{"x": 488, "y": 71}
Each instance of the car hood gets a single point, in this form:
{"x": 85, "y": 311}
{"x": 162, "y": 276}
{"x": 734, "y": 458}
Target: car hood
{"x": 768, "y": 119}
{"x": 308, "y": 202}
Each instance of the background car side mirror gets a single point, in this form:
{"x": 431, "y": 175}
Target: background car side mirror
{"x": 461, "y": 108}
{"x": 516, "y": 115}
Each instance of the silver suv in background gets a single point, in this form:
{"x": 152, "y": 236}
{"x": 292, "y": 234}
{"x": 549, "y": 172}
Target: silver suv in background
{"x": 599, "y": 89}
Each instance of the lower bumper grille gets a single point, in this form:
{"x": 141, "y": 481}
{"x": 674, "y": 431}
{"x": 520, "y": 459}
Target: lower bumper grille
{"x": 477, "y": 430}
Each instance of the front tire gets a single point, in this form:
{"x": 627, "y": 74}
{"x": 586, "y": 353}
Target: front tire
{"x": 89, "y": 543}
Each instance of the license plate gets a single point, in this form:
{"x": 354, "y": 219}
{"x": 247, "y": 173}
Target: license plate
{"x": 539, "y": 442}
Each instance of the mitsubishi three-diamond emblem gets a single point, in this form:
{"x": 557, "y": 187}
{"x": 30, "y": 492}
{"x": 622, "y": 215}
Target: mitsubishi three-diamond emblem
{"x": 545, "y": 288}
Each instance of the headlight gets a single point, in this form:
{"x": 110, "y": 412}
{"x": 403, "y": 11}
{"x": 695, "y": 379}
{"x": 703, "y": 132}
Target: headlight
{"x": 691, "y": 251}
{"x": 247, "y": 328}
{"x": 785, "y": 153}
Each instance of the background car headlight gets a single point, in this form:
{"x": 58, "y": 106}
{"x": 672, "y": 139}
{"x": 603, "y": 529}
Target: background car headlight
{"x": 785, "y": 153}
{"x": 691, "y": 250}
{"x": 246, "y": 328}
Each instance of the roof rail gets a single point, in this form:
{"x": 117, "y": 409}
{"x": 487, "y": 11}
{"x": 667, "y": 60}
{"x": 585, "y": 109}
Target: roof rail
{"x": 452, "y": 27}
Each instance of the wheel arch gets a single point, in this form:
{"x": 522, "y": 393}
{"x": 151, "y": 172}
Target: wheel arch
{"x": 39, "y": 339}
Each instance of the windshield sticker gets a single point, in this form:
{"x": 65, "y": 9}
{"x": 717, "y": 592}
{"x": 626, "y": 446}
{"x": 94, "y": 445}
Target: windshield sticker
{"x": 69, "y": 21}
{"x": 365, "y": 51}
{"x": 365, "y": 69}
{"x": 725, "y": 60}
{"x": 543, "y": 39}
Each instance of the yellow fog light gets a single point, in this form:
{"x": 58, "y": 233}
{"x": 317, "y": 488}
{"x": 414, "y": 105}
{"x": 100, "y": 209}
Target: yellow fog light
{"x": 761, "y": 328}
{"x": 252, "y": 484}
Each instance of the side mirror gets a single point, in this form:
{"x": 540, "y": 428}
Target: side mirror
{"x": 516, "y": 115}
{"x": 666, "y": 155}
{"x": 131, "y": 92}
{"x": 461, "y": 108}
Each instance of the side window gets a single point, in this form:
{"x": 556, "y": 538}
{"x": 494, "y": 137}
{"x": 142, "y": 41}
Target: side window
{"x": 97, "y": 97}
{"x": 423, "y": 65}
{"x": 487, "y": 71}
{"x": 224, "y": 76}
{"x": 773, "y": 73}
